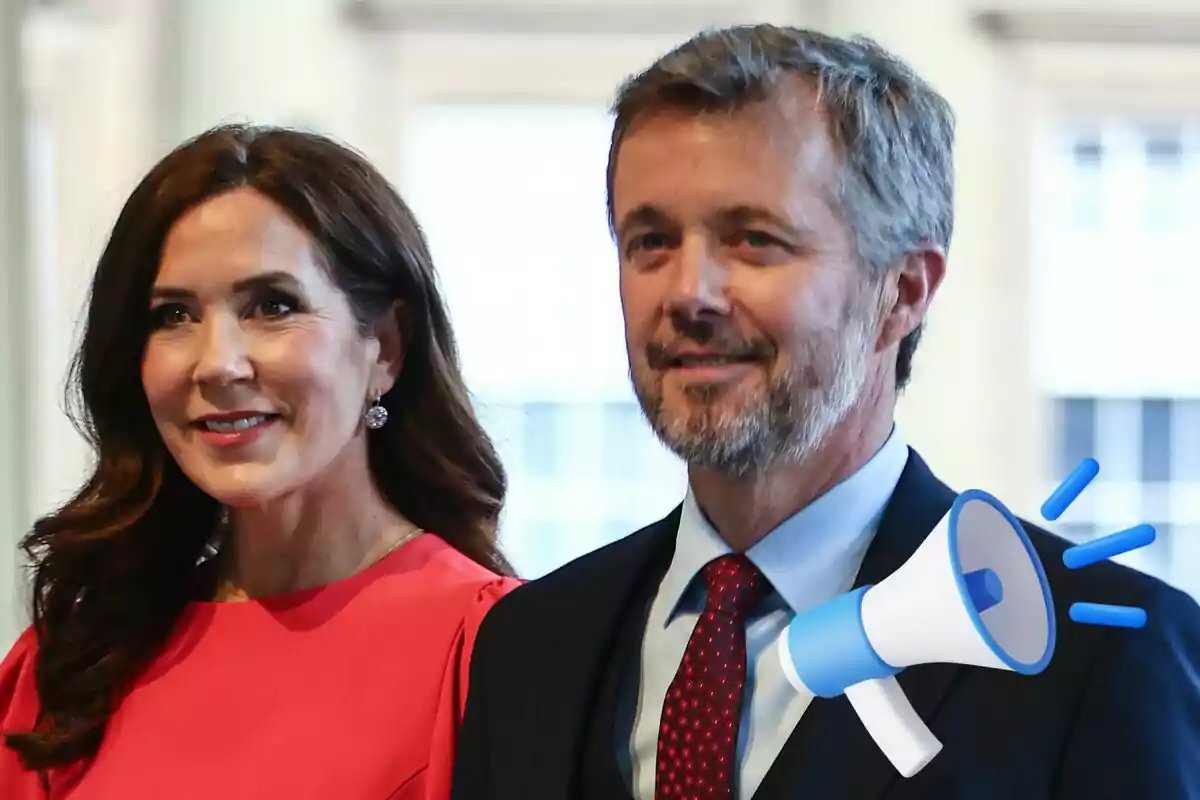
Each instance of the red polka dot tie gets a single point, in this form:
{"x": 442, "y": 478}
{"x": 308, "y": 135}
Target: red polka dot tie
{"x": 697, "y": 738}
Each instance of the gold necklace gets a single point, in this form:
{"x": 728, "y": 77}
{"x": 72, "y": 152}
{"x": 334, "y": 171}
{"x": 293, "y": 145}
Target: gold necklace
{"x": 393, "y": 547}
{"x": 396, "y": 545}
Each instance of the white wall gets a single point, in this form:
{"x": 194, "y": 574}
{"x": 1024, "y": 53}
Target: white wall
{"x": 270, "y": 61}
{"x": 13, "y": 343}
{"x": 99, "y": 135}
{"x": 88, "y": 97}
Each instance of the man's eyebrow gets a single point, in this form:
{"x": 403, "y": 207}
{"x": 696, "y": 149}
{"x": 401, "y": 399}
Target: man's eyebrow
{"x": 745, "y": 214}
{"x": 645, "y": 215}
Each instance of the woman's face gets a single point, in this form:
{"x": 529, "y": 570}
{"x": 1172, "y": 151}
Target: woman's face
{"x": 255, "y": 369}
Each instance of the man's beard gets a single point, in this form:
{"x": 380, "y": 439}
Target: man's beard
{"x": 781, "y": 424}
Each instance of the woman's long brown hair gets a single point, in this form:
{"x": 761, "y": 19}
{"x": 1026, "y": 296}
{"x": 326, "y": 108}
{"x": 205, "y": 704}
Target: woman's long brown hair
{"x": 117, "y": 565}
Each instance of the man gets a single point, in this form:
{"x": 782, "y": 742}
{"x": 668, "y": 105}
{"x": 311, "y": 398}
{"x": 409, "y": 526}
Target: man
{"x": 782, "y": 205}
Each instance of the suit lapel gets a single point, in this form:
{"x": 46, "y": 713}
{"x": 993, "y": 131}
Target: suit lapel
{"x": 614, "y": 709}
{"x": 830, "y": 754}
{"x": 595, "y": 603}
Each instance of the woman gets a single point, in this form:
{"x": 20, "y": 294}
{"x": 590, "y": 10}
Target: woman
{"x": 243, "y": 600}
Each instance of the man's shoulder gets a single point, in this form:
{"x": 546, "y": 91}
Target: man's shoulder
{"x": 581, "y": 579}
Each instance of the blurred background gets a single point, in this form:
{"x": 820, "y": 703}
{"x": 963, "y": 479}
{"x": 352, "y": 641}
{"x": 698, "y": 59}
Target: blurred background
{"x": 1067, "y": 326}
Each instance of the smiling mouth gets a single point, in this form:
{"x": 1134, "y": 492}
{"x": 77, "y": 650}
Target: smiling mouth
{"x": 235, "y": 425}
{"x": 709, "y": 360}
{"x": 707, "y": 355}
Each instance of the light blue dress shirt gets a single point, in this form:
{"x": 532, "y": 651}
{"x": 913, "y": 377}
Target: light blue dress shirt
{"x": 811, "y": 557}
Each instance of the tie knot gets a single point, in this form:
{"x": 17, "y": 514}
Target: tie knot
{"x": 734, "y": 585}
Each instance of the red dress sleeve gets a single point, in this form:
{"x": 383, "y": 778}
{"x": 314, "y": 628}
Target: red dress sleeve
{"x": 433, "y": 783}
{"x": 18, "y": 712}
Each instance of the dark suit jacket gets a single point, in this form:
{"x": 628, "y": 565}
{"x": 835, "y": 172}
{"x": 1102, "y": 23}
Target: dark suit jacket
{"x": 1115, "y": 715}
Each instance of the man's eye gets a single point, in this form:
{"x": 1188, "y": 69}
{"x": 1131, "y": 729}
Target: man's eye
{"x": 758, "y": 239}
{"x": 648, "y": 241}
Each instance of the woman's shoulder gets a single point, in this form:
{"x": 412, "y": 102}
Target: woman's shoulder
{"x": 18, "y": 713}
{"x": 18, "y": 688}
{"x": 447, "y": 593}
{"x": 451, "y": 579}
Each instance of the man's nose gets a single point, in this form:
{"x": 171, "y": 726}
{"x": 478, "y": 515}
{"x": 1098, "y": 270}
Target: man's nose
{"x": 222, "y": 356}
{"x": 700, "y": 288}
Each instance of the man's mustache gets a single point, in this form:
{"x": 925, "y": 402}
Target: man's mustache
{"x": 663, "y": 355}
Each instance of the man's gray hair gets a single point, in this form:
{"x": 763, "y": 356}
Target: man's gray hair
{"x": 894, "y": 132}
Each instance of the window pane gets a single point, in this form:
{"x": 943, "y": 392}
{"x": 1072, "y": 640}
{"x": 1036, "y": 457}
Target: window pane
{"x": 1163, "y": 150}
{"x": 1077, "y": 432}
{"x": 540, "y": 436}
{"x": 1185, "y": 454}
{"x": 1156, "y": 440}
{"x": 1087, "y": 153}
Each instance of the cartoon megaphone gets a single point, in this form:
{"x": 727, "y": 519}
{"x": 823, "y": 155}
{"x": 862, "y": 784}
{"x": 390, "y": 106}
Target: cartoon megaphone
{"x": 973, "y": 593}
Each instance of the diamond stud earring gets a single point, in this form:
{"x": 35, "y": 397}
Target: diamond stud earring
{"x": 376, "y": 416}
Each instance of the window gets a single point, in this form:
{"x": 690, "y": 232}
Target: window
{"x": 1087, "y": 151}
{"x": 1165, "y": 174}
{"x": 512, "y": 199}
{"x": 1115, "y": 299}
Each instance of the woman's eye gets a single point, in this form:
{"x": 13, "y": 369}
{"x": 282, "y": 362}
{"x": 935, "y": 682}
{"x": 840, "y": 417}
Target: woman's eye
{"x": 168, "y": 316}
{"x": 273, "y": 307}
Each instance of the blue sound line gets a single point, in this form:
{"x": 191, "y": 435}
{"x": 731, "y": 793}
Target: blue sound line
{"x": 1070, "y": 489}
{"x": 1108, "y": 546}
{"x": 1098, "y": 550}
{"x": 1110, "y": 616}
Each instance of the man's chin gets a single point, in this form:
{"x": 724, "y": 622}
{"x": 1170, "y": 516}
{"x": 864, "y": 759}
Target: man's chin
{"x": 696, "y": 433}
{"x": 697, "y": 410}
{"x": 740, "y": 380}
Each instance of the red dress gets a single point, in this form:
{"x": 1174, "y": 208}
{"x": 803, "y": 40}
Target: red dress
{"x": 352, "y": 691}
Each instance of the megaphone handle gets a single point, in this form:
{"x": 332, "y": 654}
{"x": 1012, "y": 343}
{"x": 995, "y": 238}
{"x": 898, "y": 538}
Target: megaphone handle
{"x": 895, "y": 726}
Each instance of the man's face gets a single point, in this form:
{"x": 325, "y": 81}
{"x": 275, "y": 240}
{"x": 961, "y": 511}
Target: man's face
{"x": 751, "y": 328}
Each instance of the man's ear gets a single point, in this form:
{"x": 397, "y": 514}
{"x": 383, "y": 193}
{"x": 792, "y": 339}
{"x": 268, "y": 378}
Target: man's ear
{"x": 391, "y": 332}
{"x": 908, "y": 290}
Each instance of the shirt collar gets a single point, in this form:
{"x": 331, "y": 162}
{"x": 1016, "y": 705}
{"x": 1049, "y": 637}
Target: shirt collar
{"x": 812, "y": 553}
